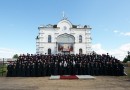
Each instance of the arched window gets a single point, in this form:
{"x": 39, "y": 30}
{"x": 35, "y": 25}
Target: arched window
{"x": 49, "y": 38}
{"x": 80, "y": 51}
{"x": 80, "y": 38}
{"x": 49, "y": 51}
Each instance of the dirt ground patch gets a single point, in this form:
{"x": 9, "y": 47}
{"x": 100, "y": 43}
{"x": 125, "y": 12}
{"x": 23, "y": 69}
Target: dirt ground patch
{"x": 43, "y": 83}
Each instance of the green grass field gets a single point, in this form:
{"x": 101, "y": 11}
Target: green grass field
{"x": 3, "y": 70}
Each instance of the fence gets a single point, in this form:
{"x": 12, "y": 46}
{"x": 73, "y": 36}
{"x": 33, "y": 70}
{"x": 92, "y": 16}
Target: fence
{"x": 3, "y": 65}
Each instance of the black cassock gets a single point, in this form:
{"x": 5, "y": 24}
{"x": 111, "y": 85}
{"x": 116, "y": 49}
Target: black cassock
{"x": 56, "y": 69}
{"x": 14, "y": 74}
{"x": 69, "y": 68}
{"x": 32, "y": 70}
{"x": 18, "y": 69}
{"x": 9, "y": 72}
{"x": 87, "y": 68}
{"x": 91, "y": 68}
{"x": 23, "y": 70}
{"x": 36, "y": 68}
{"x": 48, "y": 69}
{"x": 52, "y": 67}
{"x": 39, "y": 69}
{"x": 121, "y": 68}
{"x": 61, "y": 68}
{"x": 44, "y": 69}
{"x": 84, "y": 69}
{"x": 115, "y": 69}
{"x": 78, "y": 68}
{"x": 28, "y": 71}
{"x": 100, "y": 69}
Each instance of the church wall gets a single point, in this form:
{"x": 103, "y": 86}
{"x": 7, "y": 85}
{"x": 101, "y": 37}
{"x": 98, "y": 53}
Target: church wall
{"x": 80, "y": 46}
{"x": 77, "y": 36}
{"x": 45, "y": 36}
{"x": 46, "y": 46}
{"x": 63, "y": 27}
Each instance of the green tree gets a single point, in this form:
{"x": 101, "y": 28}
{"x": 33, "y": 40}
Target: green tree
{"x": 15, "y": 56}
{"x": 127, "y": 58}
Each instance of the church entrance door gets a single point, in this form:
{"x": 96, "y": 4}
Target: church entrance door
{"x": 65, "y": 44}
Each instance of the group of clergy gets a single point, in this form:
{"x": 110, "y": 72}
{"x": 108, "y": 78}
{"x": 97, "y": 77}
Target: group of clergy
{"x": 80, "y": 64}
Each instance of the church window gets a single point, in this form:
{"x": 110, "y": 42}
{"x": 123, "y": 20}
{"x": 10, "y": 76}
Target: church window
{"x": 49, "y": 51}
{"x": 80, "y": 38}
{"x": 49, "y": 38}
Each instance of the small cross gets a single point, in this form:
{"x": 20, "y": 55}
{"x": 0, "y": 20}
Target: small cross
{"x": 63, "y": 14}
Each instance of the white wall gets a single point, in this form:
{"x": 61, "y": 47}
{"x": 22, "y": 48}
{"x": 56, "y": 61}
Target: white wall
{"x": 63, "y": 26}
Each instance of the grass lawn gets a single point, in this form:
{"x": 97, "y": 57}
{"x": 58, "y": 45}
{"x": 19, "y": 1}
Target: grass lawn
{"x": 3, "y": 69}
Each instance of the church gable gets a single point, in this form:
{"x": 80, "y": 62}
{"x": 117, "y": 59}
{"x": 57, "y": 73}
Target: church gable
{"x": 64, "y": 24}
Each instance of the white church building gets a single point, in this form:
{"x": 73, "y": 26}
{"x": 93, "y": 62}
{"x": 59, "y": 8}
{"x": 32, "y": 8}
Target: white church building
{"x": 64, "y": 38}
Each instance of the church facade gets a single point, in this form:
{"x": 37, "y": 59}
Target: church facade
{"x": 64, "y": 38}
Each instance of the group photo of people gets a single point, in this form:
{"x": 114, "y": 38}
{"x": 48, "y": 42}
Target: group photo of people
{"x": 40, "y": 65}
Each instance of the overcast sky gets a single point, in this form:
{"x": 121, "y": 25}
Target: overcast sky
{"x": 109, "y": 19}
